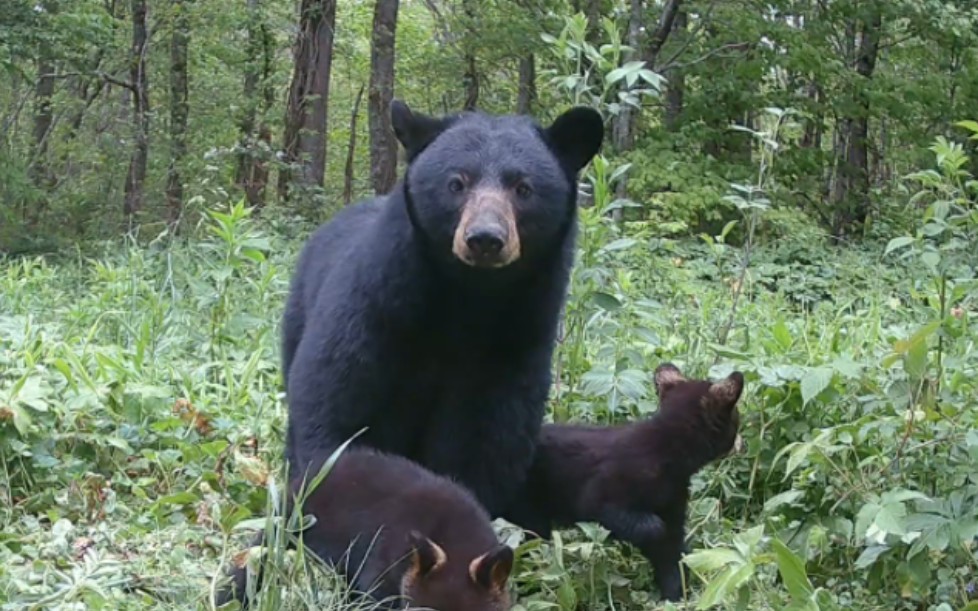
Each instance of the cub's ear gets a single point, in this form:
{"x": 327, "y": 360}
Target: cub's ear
{"x": 426, "y": 556}
{"x": 576, "y": 135}
{"x": 414, "y": 130}
{"x": 666, "y": 376}
{"x": 491, "y": 570}
{"x": 727, "y": 392}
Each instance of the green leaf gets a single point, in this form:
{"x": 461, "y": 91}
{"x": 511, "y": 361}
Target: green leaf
{"x": 931, "y": 259}
{"x": 710, "y": 560}
{"x": 869, "y": 556}
{"x": 797, "y": 452}
{"x": 717, "y": 590}
{"x": 22, "y": 420}
{"x": 900, "y": 242}
{"x": 606, "y": 301}
{"x": 889, "y": 519}
{"x": 782, "y": 335}
{"x": 814, "y": 382}
{"x": 619, "y": 244}
{"x": 792, "y": 571}
{"x": 969, "y": 125}
{"x": 785, "y": 498}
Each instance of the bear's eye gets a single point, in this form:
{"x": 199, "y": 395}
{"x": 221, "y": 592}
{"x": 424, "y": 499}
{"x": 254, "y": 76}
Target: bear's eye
{"x": 455, "y": 185}
{"x": 524, "y": 190}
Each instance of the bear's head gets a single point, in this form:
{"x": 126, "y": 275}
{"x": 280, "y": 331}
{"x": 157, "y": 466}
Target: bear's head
{"x": 493, "y": 191}
{"x": 435, "y": 581}
{"x": 708, "y": 409}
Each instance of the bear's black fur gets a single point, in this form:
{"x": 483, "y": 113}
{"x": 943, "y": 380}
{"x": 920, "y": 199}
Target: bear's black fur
{"x": 401, "y": 534}
{"x": 634, "y": 479}
{"x": 429, "y": 315}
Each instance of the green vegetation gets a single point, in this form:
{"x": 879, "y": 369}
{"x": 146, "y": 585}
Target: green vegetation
{"x": 141, "y": 409}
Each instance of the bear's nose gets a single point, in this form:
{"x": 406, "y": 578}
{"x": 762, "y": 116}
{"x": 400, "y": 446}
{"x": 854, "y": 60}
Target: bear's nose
{"x": 485, "y": 242}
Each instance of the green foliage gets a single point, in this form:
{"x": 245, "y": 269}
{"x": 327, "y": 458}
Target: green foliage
{"x": 141, "y": 411}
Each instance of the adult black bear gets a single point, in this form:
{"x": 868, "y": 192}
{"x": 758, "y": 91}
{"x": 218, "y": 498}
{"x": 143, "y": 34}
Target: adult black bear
{"x": 402, "y": 535}
{"x": 429, "y": 315}
{"x": 634, "y": 479}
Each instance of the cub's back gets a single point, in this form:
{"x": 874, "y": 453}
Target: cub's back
{"x": 372, "y": 500}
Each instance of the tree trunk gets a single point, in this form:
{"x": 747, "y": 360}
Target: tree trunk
{"x": 812, "y": 136}
{"x": 470, "y": 78}
{"x": 179, "y": 110}
{"x": 351, "y": 151}
{"x": 383, "y": 146}
{"x": 259, "y": 95}
{"x": 527, "y": 94}
{"x": 40, "y": 170}
{"x": 139, "y": 88}
{"x": 304, "y": 139}
{"x": 676, "y": 79}
{"x": 39, "y": 165}
{"x": 592, "y": 10}
{"x": 850, "y": 195}
{"x": 623, "y": 130}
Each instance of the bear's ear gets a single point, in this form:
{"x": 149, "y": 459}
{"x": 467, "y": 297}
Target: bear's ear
{"x": 576, "y": 136}
{"x": 666, "y": 376}
{"x": 491, "y": 570}
{"x": 426, "y": 556}
{"x": 727, "y": 392}
{"x": 414, "y": 130}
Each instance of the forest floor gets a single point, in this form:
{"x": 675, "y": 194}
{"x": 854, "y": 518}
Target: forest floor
{"x": 141, "y": 423}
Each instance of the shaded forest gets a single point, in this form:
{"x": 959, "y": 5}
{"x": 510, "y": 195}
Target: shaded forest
{"x": 787, "y": 188}
{"x": 122, "y": 114}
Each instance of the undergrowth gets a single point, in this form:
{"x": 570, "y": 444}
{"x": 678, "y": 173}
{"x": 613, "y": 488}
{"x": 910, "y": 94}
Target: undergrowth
{"x": 141, "y": 410}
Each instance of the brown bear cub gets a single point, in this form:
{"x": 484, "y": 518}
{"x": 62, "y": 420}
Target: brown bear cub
{"x": 634, "y": 479}
{"x": 402, "y": 535}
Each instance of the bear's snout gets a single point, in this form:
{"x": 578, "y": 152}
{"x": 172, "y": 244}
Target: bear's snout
{"x": 486, "y": 235}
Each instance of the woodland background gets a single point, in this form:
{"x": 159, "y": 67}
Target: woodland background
{"x": 787, "y": 188}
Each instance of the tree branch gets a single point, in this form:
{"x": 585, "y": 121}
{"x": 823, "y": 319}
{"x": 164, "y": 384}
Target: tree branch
{"x": 108, "y": 78}
{"x": 734, "y": 46}
{"x": 690, "y": 37}
{"x": 662, "y": 31}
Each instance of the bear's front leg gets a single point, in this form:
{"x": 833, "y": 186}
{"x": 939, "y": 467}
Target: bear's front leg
{"x": 332, "y": 392}
{"x": 666, "y": 558}
{"x": 485, "y": 436}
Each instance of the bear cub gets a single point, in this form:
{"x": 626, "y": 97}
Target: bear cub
{"x": 402, "y": 535}
{"x": 634, "y": 479}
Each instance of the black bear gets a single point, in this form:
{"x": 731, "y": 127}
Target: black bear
{"x": 428, "y": 316}
{"x": 634, "y": 479}
{"x": 402, "y": 535}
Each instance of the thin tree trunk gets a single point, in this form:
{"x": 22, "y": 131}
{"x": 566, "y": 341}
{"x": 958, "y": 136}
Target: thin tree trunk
{"x": 139, "y": 88}
{"x": 40, "y": 165}
{"x": 179, "y": 110}
{"x": 676, "y": 79}
{"x": 304, "y": 139}
{"x": 351, "y": 151}
{"x": 622, "y": 134}
{"x": 383, "y": 146}
{"x": 40, "y": 169}
{"x": 623, "y": 130}
{"x": 812, "y": 136}
{"x": 259, "y": 96}
{"x": 470, "y": 78}
{"x": 592, "y": 10}
{"x": 527, "y": 94}
{"x": 850, "y": 197}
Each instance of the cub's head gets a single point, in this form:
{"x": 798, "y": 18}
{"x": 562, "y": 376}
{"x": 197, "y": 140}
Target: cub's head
{"x": 708, "y": 408}
{"x": 490, "y": 191}
{"x": 435, "y": 581}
